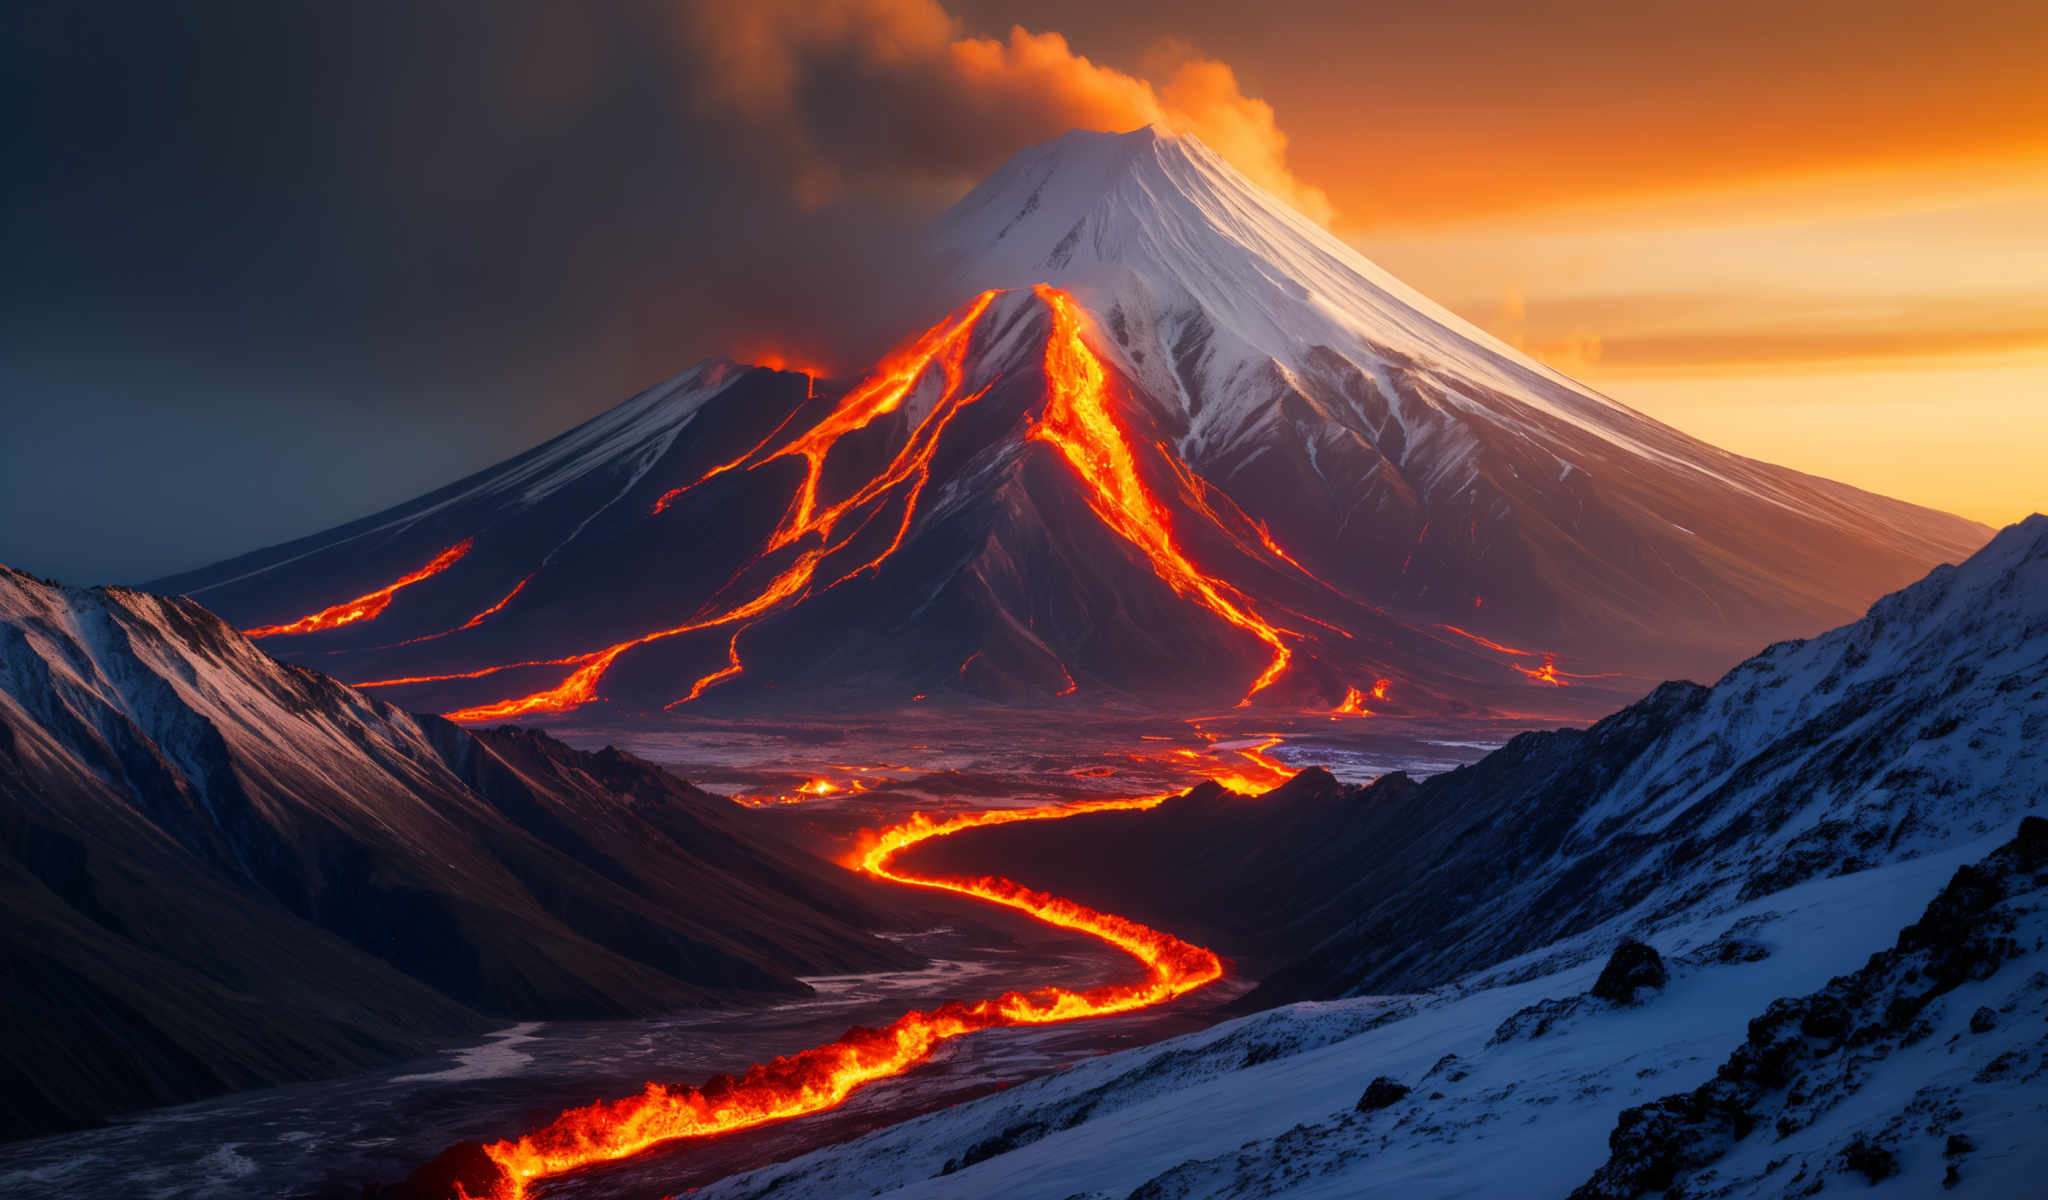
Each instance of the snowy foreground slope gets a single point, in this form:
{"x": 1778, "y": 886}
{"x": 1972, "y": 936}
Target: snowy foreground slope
{"x": 1859, "y": 997}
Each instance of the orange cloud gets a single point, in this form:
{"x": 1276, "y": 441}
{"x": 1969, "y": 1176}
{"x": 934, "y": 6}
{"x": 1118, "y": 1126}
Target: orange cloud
{"x": 847, "y": 88}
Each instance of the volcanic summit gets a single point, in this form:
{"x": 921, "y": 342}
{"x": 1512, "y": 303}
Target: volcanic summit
{"x": 1173, "y": 444}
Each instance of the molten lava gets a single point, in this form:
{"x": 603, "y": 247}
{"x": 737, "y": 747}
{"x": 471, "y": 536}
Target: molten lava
{"x": 816, "y": 1079}
{"x": 1490, "y": 644}
{"x": 1266, "y": 771}
{"x": 662, "y": 502}
{"x": 1547, "y": 674}
{"x": 1079, "y": 423}
{"x": 364, "y": 608}
{"x": 881, "y": 393}
{"x": 478, "y": 619}
{"x": 1353, "y": 705}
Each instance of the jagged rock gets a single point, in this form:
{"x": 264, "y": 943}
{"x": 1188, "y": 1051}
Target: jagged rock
{"x": 1380, "y": 1093}
{"x": 1872, "y": 1160}
{"x": 1632, "y": 967}
{"x": 1983, "y": 1021}
{"x": 1535, "y": 1021}
{"x": 1963, "y": 935}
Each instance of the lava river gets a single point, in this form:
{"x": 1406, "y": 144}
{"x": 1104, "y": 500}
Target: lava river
{"x": 822, "y": 1077}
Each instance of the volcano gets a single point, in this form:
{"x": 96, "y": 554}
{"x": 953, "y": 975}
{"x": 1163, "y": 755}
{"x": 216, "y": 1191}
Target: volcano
{"x": 1173, "y": 445}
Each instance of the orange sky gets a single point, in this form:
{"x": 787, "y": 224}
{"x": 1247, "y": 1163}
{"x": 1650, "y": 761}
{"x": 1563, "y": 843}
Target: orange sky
{"x": 1816, "y": 233}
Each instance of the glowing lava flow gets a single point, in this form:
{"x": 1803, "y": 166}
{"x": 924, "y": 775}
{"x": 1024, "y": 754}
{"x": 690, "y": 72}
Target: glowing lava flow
{"x": 878, "y": 395}
{"x": 1354, "y": 699}
{"x": 670, "y": 496}
{"x": 363, "y": 608}
{"x": 1267, "y": 772}
{"x": 1547, "y": 674}
{"x": 1489, "y": 643}
{"x": 820, "y": 1078}
{"x": 1078, "y": 423}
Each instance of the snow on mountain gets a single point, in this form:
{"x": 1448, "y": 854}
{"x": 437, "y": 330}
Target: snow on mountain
{"x": 1163, "y": 238}
{"x": 1900, "y": 734}
{"x": 222, "y": 871}
{"x": 1403, "y": 451}
{"x": 1768, "y": 838}
{"x": 1172, "y": 440}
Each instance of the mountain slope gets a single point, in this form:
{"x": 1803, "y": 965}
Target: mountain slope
{"x": 1835, "y": 856}
{"x": 1897, "y": 735}
{"x": 1172, "y": 444}
{"x": 225, "y": 870}
{"x": 1516, "y": 1083}
{"x": 1409, "y": 456}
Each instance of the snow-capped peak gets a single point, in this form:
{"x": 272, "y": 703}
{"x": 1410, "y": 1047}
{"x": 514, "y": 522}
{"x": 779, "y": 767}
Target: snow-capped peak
{"x": 1179, "y": 252}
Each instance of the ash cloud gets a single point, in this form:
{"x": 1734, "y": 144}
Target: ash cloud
{"x": 272, "y": 267}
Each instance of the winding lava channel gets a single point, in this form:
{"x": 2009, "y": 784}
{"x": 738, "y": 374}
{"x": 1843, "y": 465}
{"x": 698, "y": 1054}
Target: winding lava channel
{"x": 822, "y": 1077}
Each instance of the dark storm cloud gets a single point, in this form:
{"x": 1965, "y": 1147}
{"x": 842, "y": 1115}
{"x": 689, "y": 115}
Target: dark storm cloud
{"x": 273, "y": 266}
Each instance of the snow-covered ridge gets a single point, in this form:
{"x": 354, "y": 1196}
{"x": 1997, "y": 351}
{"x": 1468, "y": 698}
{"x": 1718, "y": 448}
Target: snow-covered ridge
{"x": 1917, "y": 728}
{"x": 1766, "y": 836}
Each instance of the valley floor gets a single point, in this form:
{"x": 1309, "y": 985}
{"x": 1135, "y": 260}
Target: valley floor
{"x": 327, "y": 1140}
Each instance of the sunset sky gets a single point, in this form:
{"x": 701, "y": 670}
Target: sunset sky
{"x": 275, "y": 267}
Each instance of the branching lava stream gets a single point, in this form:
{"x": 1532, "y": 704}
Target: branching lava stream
{"x": 800, "y": 557}
{"x": 822, "y": 1077}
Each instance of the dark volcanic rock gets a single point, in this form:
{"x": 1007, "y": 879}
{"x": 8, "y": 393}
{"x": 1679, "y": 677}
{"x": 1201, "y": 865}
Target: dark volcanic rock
{"x": 1872, "y": 1160}
{"x": 1632, "y": 968}
{"x": 1380, "y": 1093}
{"x": 1806, "y": 1054}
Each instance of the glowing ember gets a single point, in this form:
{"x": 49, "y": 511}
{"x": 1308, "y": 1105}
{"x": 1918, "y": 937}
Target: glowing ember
{"x": 364, "y": 608}
{"x": 822, "y": 1077}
